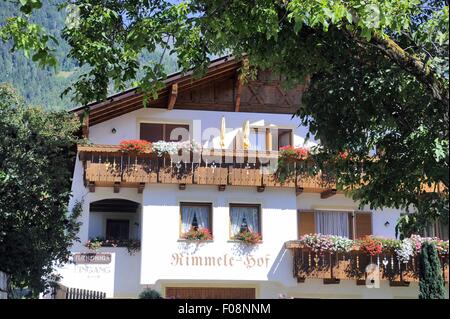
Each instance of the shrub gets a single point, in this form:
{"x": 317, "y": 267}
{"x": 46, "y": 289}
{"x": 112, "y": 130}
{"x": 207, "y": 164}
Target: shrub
{"x": 431, "y": 283}
{"x": 150, "y": 294}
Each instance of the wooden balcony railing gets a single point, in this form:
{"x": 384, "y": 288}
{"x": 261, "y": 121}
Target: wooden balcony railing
{"x": 332, "y": 266}
{"x": 106, "y": 165}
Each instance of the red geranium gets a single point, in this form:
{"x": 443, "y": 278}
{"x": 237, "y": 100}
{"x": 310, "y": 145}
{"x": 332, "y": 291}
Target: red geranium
{"x": 291, "y": 152}
{"x": 135, "y": 146}
{"x": 371, "y": 246}
{"x": 198, "y": 234}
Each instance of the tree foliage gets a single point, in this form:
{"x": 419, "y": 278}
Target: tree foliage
{"x": 378, "y": 73}
{"x": 36, "y": 163}
{"x": 431, "y": 282}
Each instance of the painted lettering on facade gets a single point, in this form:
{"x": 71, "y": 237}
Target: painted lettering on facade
{"x": 225, "y": 260}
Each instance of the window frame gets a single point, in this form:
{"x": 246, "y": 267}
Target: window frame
{"x": 202, "y": 204}
{"x": 351, "y": 218}
{"x": 163, "y": 124}
{"x": 258, "y": 206}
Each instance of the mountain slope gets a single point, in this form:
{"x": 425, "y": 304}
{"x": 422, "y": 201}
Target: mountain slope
{"x": 44, "y": 86}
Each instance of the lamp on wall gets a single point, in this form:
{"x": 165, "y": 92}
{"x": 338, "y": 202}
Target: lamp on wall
{"x": 114, "y": 131}
{"x": 386, "y": 224}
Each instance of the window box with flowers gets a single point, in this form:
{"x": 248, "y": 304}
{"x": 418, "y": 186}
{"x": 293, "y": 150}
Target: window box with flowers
{"x": 132, "y": 245}
{"x": 288, "y": 158}
{"x": 248, "y": 237}
{"x": 197, "y": 234}
{"x": 135, "y": 147}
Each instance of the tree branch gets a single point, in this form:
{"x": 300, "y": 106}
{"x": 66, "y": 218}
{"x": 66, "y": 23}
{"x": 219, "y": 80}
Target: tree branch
{"x": 410, "y": 64}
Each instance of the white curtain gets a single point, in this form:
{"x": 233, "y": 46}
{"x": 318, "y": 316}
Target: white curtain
{"x": 188, "y": 213}
{"x": 332, "y": 223}
{"x": 238, "y": 214}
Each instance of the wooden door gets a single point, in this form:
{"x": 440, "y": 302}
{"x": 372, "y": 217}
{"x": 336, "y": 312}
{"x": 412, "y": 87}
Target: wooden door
{"x": 210, "y": 293}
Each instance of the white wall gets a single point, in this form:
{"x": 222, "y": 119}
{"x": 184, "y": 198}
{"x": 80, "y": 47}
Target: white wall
{"x": 160, "y": 222}
{"x": 160, "y": 235}
{"x": 207, "y": 124}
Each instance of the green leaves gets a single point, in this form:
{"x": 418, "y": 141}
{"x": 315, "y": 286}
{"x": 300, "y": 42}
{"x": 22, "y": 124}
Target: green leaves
{"x": 36, "y": 152}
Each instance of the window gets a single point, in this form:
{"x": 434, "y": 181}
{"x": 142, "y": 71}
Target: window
{"x": 154, "y": 132}
{"x": 437, "y": 229}
{"x": 284, "y": 138}
{"x": 244, "y": 217}
{"x": 257, "y": 139}
{"x": 117, "y": 229}
{"x": 195, "y": 215}
{"x": 339, "y": 223}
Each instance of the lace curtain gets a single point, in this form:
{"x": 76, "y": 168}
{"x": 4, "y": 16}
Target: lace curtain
{"x": 332, "y": 223}
{"x": 239, "y": 215}
{"x": 201, "y": 213}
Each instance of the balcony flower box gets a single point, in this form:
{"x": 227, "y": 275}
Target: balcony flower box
{"x": 132, "y": 245}
{"x": 135, "y": 147}
{"x": 197, "y": 234}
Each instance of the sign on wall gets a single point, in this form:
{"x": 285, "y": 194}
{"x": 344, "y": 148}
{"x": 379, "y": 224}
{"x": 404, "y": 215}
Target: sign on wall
{"x": 92, "y": 258}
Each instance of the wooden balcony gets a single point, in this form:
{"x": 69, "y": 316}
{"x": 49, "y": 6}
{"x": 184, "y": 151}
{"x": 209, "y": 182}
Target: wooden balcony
{"x": 333, "y": 267}
{"x": 107, "y": 166}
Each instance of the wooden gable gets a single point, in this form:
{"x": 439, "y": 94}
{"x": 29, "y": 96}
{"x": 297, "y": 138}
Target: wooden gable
{"x": 218, "y": 90}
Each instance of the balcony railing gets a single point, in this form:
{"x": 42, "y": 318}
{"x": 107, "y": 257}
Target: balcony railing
{"x": 106, "y": 165}
{"x": 356, "y": 265}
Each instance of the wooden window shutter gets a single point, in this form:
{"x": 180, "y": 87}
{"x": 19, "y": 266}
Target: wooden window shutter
{"x": 168, "y": 128}
{"x": 152, "y": 132}
{"x": 306, "y": 223}
{"x": 363, "y": 224}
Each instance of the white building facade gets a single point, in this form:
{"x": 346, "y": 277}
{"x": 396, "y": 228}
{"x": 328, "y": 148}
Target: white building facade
{"x": 155, "y": 214}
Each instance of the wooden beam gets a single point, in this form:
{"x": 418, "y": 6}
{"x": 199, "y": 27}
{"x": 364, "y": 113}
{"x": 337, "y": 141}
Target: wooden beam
{"x": 172, "y": 96}
{"x": 268, "y": 139}
{"x": 116, "y": 187}
{"x": 85, "y": 124}
{"x": 328, "y": 193}
{"x": 237, "y": 101}
{"x": 141, "y": 187}
{"x": 331, "y": 281}
{"x": 298, "y": 190}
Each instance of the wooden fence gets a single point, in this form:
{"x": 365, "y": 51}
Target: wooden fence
{"x": 62, "y": 292}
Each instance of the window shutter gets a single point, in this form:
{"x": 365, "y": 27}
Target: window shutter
{"x": 152, "y": 132}
{"x": 306, "y": 224}
{"x": 170, "y": 127}
{"x": 363, "y": 224}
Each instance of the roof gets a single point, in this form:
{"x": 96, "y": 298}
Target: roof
{"x": 220, "y": 81}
